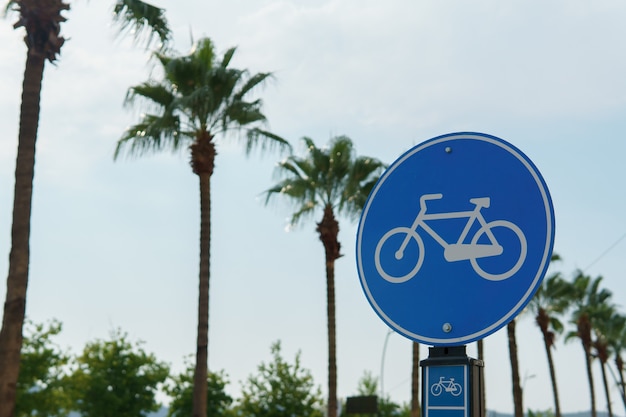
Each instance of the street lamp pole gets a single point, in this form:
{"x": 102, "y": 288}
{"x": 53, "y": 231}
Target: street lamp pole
{"x": 382, "y": 364}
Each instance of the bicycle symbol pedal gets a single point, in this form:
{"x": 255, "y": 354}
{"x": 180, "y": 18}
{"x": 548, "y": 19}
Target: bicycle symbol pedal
{"x": 482, "y": 244}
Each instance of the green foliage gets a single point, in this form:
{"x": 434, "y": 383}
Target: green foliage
{"x": 42, "y": 385}
{"x": 368, "y": 385}
{"x": 116, "y": 378}
{"x": 546, "y": 413}
{"x": 280, "y": 389}
{"x": 405, "y": 410}
{"x": 180, "y": 389}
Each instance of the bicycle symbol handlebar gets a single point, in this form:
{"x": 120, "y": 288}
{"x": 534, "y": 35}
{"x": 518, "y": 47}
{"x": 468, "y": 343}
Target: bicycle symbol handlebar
{"x": 476, "y": 249}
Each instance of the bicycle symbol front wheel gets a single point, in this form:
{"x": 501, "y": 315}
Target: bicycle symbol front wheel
{"x": 514, "y": 251}
{"x": 395, "y": 266}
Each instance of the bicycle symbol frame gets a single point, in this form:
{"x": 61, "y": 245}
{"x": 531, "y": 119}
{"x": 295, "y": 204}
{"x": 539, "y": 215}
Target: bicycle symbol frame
{"x": 458, "y": 251}
{"x": 444, "y": 385}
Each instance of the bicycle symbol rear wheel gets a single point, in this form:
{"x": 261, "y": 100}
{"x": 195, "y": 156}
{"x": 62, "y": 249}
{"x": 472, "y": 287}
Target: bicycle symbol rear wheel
{"x": 517, "y": 260}
{"x": 404, "y": 233}
{"x": 436, "y": 390}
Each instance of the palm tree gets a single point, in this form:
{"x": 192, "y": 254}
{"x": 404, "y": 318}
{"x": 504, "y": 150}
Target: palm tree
{"x": 198, "y": 99}
{"x": 549, "y": 302}
{"x": 338, "y": 182}
{"x": 42, "y": 21}
{"x": 588, "y": 300}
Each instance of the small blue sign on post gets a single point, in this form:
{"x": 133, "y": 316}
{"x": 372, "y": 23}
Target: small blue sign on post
{"x": 452, "y": 383}
{"x": 446, "y": 391}
{"x": 455, "y": 238}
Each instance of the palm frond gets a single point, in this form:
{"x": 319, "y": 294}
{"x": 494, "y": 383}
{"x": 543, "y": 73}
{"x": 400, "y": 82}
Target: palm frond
{"x": 556, "y": 325}
{"x": 306, "y": 210}
{"x": 362, "y": 178}
{"x": 223, "y": 83}
{"x": 9, "y": 7}
{"x": 315, "y": 165}
{"x": 307, "y": 169}
{"x": 264, "y": 140}
{"x": 251, "y": 83}
{"x": 185, "y": 75}
{"x": 288, "y": 166}
{"x": 155, "y": 94}
{"x": 243, "y": 113}
{"x": 203, "y": 52}
{"x": 142, "y": 20}
{"x": 299, "y": 191}
{"x": 152, "y": 134}
{"x": 228, "y": 56}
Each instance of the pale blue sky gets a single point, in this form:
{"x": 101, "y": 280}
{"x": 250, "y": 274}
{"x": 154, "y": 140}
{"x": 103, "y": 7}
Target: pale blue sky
{"x": 116, "y": 244}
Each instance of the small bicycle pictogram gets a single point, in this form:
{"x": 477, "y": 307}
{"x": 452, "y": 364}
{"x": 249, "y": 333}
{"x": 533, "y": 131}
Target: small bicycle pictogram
{"x": 460, "y": 250}
{"x": 444, "y": 385}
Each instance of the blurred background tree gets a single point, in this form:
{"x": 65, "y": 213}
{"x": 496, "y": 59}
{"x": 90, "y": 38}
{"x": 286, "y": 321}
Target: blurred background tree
{"x": 280, "y": 389}
{"x": 116, "y": 378}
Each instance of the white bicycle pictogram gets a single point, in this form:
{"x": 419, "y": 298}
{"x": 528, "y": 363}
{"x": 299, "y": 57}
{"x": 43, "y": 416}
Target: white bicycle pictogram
{"x": 460, "y": 250}
{"x": 444, "y": 385}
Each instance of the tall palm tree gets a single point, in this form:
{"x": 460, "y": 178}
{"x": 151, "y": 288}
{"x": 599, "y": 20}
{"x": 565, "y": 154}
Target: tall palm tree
{"x": 337, "y": 182}
{"x": 198, "y": 100}
{"x": 588, "y": 300}
{"x": 549, "y": 302}
{"x": 42, "y": 21}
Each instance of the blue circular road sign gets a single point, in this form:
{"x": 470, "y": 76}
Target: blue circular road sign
{"x": 455, "y": 238}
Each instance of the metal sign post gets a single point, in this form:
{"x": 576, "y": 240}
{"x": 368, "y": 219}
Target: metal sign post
{"x": 453, "y": 242}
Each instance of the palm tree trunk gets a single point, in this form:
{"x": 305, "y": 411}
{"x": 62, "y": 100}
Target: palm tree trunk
{"x": 19, "y": 257}
{"x": 583, "y": 327}
{"x": 200, "y": 384}
{"x": 415, "y": 383}
{"x": 517, "y": 388}
{"x": 483, "y": 393}
{"x": 332, "y": 342}
{"x": 605, "y": 382}
{"x": 592, "y": 392}
{"x": 619, "y": 364}
{"x": 555, "y": 391}
{"x": 328, "y": 230}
